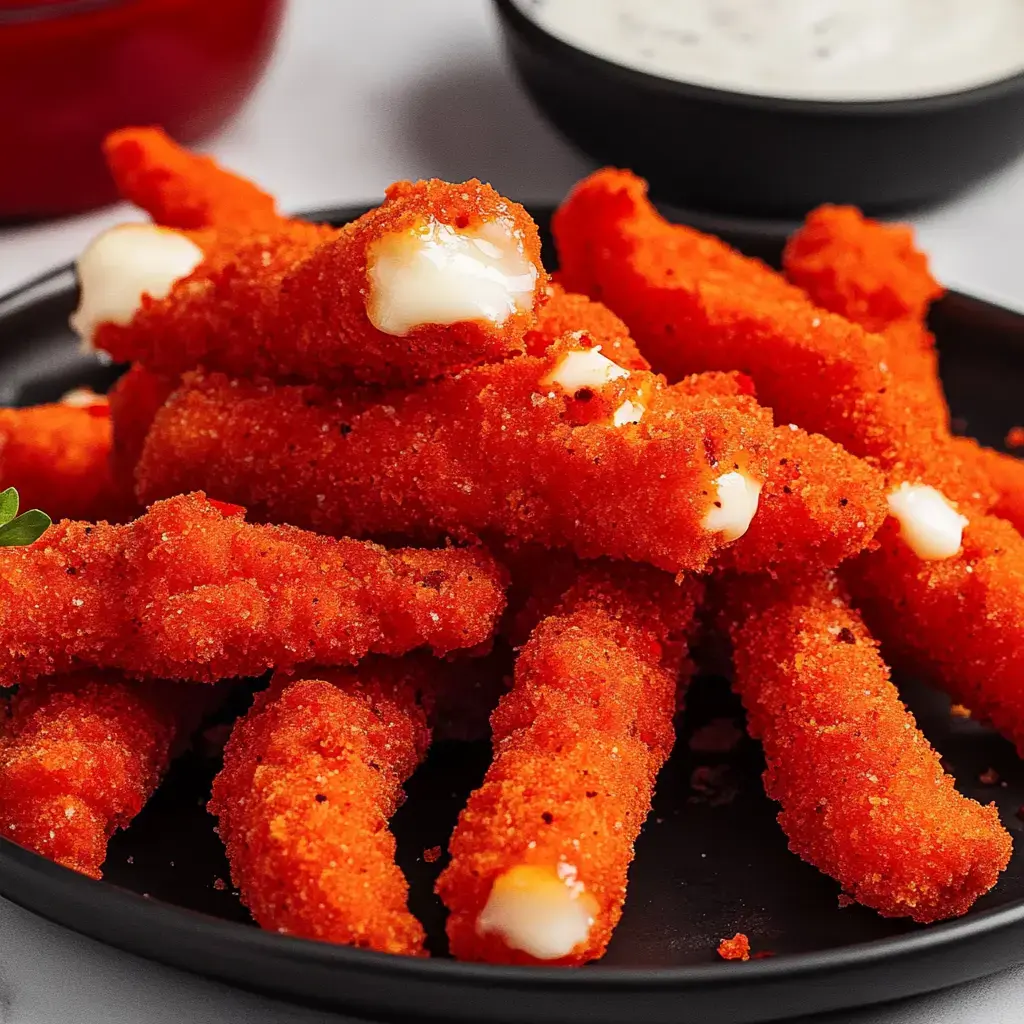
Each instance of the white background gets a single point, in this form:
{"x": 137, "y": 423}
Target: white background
{"x": 359, "y": 94}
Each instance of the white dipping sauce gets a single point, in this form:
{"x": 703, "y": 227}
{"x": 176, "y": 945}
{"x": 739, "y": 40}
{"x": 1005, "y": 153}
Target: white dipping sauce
{"x": 800, "y": 49}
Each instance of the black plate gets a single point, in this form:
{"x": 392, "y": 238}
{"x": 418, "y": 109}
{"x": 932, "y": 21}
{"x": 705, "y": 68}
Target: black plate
{"x": 730, "y": 151}
{"x": 710, "y": 862}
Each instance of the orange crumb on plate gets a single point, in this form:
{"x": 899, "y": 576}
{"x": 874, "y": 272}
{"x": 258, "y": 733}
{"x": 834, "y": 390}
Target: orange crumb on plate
{"x": 736, "y": 948}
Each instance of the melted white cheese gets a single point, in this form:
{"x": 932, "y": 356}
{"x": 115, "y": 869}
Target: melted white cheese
{"x": 735, "y": 506}
{"x": 803, "y": 49}
{"x": 539, "y": 911}
{"x": 628, "y": 412}
{"x": 586, "y": 368}
{"x": 929, "y": 524}
{"x": 441, "y": 275}
{"x": 123, "y": 264}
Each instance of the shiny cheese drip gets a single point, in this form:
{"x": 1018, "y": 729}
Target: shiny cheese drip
{"x": 734, "y": 507}
{"x": 441, "y": 275}
{"x": 123, "y": 264}
{"x": 542, "y": 912}
{"x": 586, "y": 368}
{"x": 929, "y": 524}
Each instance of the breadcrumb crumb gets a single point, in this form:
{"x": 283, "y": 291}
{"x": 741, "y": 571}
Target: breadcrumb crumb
{"x": 736, "y": 948}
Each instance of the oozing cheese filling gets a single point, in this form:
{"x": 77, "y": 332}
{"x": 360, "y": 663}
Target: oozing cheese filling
{"x": 628, "y": 412}
{"x": 929, "y": 524}
{"x": 123, "y": 264}
{"x": 586, "y": 368}
{"x": 734, "y": 507}
{"x": 438, "y": 274}
{"x": 543, "y": 912}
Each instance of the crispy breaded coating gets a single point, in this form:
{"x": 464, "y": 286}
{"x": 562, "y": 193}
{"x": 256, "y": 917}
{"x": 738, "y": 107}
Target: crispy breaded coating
{"x": 300, "y": 301}
{"x": 226, "y": 310}
{"x": 497, "y": 448}
{"x": 180, "y": 189}
{"x": 957, "y": 622}
{"x": 58, "y": 457}
{"x": 873, "y": 274}
{"x": 311, "y": 776}
{"x": 80, "y": 756}
{"x": 1004, "y": 475}
{"x": 566, "y": 313}
{"x": 869, "y": 272}
{"x": 694, "y": 304}
{"x": 736, "y": 948}
{"x": 541, "y": 852}
{"x": 914, "y": 359}
{"x": 951, "y": 619}
{"x": 819, "y": 506}
{"x": 135, "y": 400}
{"x": 186, "y": 592}
{"x": 864, "y": 797}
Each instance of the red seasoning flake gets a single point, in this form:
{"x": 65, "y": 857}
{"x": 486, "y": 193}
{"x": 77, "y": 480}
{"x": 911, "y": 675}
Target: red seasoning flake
{"x": 736, "y": 948}
{"x": 1015, "y": 437}
{"x": 432, "y": 855}
{"x": 226, "y": 508}
{"x": 989, "y": 777}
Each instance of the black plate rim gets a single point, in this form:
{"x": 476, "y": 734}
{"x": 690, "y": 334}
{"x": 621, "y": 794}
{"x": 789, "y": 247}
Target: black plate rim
{"x": 628, "y": 77}
{"x": 40, "y": 886}
{"x": 17, "y": 863}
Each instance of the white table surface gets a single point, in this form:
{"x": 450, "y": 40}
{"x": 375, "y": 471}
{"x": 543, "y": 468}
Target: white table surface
{"x": 360, "y": 94}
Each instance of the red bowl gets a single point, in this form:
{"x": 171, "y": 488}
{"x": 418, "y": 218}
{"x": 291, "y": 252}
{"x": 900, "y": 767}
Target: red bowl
{"x": 73, "y": 70}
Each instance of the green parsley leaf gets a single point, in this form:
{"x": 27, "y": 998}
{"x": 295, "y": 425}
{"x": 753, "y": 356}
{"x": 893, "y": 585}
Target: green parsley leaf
{"x": 8, "y": 505}
{"x": 26, "y": 529}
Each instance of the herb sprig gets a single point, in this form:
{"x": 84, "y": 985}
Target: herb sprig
{"x": 15, "y": 530}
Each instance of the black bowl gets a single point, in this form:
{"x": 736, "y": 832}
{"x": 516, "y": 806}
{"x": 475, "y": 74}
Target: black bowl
{"x": 736, "y": 152}
{"x": 711, "y": 860}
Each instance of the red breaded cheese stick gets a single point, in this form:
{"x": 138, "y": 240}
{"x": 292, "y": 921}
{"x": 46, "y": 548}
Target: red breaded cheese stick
{"x": 80, "y": 756}
{"x": 311, "y": 776}
{"x": 873, "y": 274}
{"x": 187, "y": 592}
{"x": 439, "y": 277}
{"x": 864, "y": 796}
{"x": 958, "y": 621}
{"x": 58, "y": 457}
{"x": 540, "y": 855}
{"x": 819, "y": 505}
{"x": 693, "y": 304}
{"x": 179, "y": 189}
{"x": 565, "y": 450}
{"x": 172, "y": 299}
{"x": 869, "y": 272}
{"x": 135, "y": 400}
